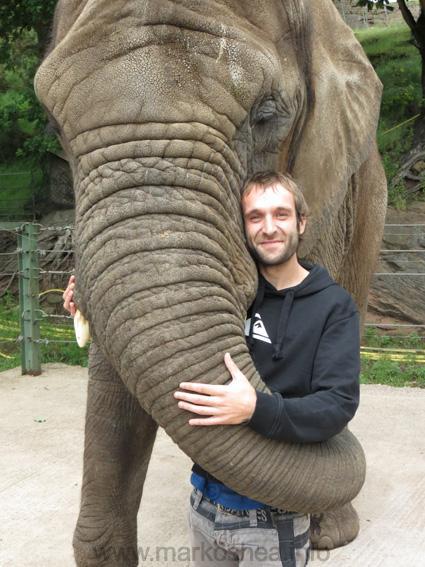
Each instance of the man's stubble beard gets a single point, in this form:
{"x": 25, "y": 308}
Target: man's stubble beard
{"x": 290, "y": 250}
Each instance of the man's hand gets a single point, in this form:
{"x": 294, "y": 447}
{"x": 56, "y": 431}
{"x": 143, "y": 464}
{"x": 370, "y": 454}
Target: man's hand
{"x": 68, "y": 295}
{"x": 231, "y": 404}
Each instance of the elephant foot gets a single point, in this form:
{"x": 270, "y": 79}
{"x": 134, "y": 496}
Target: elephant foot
{"x": 101, "y": 554}
{"x": 334, "y": 528}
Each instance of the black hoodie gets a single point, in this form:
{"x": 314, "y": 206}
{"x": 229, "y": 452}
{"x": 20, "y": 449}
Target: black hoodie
{"x": 305, "y": 343}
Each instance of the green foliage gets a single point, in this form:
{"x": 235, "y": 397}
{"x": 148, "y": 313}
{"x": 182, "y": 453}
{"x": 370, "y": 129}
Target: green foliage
{"x": 17, "y": 17}
{"x": 398, "y": 65}
{"x": 24, "y": 32}
{"x": 397, "y": 192}
{"x": 24, "y": 142}
{"x": 22, "y": 119}
{"x": 17, "y": 182}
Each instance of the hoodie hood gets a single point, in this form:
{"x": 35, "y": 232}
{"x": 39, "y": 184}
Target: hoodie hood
{"x": 317, "y": 279}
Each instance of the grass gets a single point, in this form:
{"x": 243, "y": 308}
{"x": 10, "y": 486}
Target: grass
{"x": 69, "y": 353}
{"x": 392, "y": 373}
{"x": 410, "y": 371}
{"x": 372, "y": 338}
{"x": 398, "y": 65}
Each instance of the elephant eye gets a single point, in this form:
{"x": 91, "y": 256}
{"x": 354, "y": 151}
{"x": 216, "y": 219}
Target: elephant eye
{"x": 266, "y": 112}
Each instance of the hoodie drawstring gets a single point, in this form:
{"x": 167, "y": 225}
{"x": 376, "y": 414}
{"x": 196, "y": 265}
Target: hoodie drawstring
{"x": 256, "y": 305}
{"x": 279, "y": 345}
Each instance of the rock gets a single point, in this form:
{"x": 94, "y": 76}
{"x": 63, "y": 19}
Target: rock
{"x": 59, "y": 218}
{"x": 419, "y": 166}
{"x": 397, "y": 297}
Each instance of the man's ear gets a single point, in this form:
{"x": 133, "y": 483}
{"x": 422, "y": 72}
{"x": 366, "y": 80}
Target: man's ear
{"x": 302, "y": 224}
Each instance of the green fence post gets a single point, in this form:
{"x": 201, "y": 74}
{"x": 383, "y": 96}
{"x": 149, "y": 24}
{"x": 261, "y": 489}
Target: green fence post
{"x": 29, "y": 273}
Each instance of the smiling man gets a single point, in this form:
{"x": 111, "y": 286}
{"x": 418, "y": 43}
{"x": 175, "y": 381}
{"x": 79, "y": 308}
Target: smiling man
{"x": 303, "y": 334}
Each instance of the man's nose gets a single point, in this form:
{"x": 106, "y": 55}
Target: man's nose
{"x": 269, "y": 226}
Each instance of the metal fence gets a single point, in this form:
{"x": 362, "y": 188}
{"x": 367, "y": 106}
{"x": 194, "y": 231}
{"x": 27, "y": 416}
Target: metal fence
{"x": 29, "y": 273}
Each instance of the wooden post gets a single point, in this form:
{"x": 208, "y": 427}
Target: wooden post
{"x": 29, "y": 273}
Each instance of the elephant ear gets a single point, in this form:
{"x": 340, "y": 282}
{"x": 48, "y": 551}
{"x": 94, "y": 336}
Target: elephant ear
{"x": 340, "y": 130}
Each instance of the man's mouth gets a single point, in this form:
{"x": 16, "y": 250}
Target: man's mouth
{"x": 270, "y": 242}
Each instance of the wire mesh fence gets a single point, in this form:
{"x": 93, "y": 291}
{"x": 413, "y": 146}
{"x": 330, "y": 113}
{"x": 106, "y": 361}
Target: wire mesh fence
{"x": 361, "y": 17}
{"x": 35, "y": 332}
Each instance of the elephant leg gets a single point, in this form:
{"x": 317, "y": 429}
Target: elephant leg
{"x": 334, "y": 528}
{"x": 119, "y": 436}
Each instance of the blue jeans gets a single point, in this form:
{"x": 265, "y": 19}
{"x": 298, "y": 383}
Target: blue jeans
{"x": 269, "y": 537}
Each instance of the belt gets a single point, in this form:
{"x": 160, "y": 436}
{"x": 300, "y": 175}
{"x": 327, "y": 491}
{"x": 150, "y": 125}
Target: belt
{"x": 245, "y": 512}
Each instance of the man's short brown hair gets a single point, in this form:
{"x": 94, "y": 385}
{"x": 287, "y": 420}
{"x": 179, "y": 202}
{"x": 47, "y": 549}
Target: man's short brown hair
{"x": 265, "y": 179}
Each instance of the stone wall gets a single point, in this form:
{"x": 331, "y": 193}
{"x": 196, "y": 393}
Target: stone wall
{"x": 401, "y": 298}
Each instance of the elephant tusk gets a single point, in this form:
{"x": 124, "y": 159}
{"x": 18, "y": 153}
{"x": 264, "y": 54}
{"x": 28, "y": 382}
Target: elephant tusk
{"x": 82, "y": 329}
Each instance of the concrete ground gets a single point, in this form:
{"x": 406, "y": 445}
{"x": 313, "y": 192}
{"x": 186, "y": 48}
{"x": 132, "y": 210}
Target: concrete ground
{"x": 41, "y": 440}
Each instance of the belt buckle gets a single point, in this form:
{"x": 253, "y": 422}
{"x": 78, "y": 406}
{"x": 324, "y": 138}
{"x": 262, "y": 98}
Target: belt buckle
{"x": 233, "y": 511}
{"x": 223, "y": 508}
{"x": 279, "y": 510}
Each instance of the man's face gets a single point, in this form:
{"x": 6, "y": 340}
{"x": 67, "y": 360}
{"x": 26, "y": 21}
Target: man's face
{"x": 271, "y": 224}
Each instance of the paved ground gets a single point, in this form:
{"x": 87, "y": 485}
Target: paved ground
{"x": 41, "y": 439}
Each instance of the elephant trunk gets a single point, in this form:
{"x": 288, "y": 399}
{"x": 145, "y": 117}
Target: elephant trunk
{"x": 160, "y": 248}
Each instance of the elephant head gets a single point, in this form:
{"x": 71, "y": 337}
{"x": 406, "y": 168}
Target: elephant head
{"x": 163, "y": 109}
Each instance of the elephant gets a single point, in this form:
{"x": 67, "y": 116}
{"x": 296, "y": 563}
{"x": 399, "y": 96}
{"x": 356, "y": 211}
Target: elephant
{"x": 164, "y": 108}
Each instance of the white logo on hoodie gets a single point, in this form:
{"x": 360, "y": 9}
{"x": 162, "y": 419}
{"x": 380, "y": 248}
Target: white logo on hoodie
{"x": 259, "y": 331}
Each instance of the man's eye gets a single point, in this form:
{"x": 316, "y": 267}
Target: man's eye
{"x": 282, "y": 215}
{"x": 254, "y": 219}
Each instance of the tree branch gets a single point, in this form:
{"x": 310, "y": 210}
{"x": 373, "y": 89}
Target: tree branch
{"x": 407, "y": 14}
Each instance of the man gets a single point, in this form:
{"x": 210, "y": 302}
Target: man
{"x": 303, "y": 334}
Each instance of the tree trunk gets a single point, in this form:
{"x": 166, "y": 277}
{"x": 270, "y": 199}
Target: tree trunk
{"x": 417, "y": 28}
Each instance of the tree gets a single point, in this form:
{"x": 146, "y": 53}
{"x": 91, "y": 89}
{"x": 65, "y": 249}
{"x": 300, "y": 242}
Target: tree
{"x": 18, "y": 16}
{"x": 24, "y": 31}
{"x": 24, "y": 35}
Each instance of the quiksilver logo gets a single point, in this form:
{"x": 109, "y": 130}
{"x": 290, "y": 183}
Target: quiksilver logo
{"x": 259, "y": 331}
